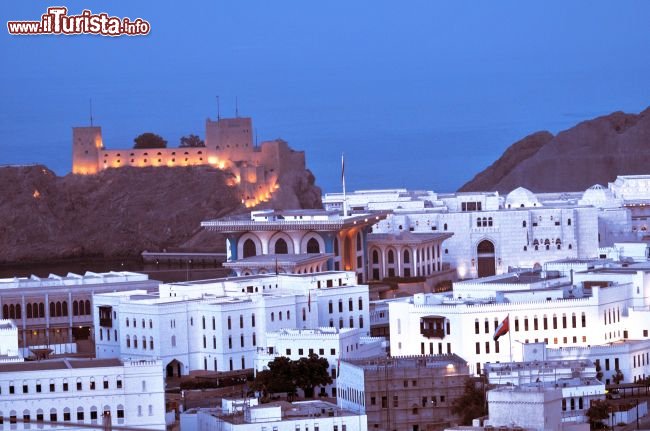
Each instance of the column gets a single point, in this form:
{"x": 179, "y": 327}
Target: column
{"x": 415, "y": 261}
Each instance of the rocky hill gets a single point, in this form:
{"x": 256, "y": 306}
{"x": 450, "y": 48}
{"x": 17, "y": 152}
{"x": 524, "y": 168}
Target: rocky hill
{"x": 592, "y": 152}
{"x": 121, "y": 212}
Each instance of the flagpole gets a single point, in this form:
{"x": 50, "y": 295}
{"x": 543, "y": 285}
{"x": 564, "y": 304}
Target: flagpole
{"x": 345, "y": 201}
{"x": 509, "y": 337}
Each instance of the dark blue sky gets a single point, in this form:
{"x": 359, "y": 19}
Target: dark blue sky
{"x": 419, "y": 94}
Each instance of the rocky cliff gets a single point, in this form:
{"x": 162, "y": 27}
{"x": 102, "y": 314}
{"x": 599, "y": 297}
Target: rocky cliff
{"x": 592, "y": 152}
{"x": 121, "y": 212}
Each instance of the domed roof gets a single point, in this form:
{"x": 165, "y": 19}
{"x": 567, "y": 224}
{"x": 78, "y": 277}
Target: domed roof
{"x": 597, "y": 195}
{"x": 522, "y": 198}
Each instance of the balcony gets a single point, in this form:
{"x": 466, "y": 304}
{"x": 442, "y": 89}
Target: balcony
{"x": 432, "y": 327}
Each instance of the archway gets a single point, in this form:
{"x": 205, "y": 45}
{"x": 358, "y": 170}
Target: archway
{"x": 486, "y": 260}
{"x": 249, "y": 248}
{"x": 313, "y": 246}
{"x": 174, "y": 368}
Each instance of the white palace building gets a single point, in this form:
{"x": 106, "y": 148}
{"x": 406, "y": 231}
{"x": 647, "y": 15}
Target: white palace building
{"x": 219, "y": 325}
{"x": 492, "y": 233}
{"x": 604, "y": 304}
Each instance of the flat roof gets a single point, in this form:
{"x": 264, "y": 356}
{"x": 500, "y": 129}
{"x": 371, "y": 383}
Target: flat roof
{"x": 281, "y": 259}
{"x": 408, "y": 237}
{"x": 58, "y": 364}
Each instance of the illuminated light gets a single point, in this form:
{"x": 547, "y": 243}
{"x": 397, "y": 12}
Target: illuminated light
{"x": 462, "y": 271}
{"x": 36, "y": 194}
{"x": 213, "y": 160}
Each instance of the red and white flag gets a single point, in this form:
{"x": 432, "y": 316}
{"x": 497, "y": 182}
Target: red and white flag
{"x": 503, "y": 328}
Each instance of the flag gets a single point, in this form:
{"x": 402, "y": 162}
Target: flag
{"x": 502, "y": 329}
{"x": 342, "y": 167}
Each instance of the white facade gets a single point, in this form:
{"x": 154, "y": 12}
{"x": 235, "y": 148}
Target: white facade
{"x": 333, "y": 344}
{"x": 529, "y": 407}
{"x": 278, "y": 416}
{"x": 524, "y": 228}
{"x": 601, "y": 306}
{"x": 8, "y": 341}
{"x": 217, "y": 325}
{"x": 82, "y": 391}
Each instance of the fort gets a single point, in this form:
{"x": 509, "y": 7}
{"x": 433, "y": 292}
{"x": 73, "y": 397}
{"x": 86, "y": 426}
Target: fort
{"x": 228, "y": 146}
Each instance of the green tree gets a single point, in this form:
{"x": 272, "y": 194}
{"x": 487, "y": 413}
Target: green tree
{"x": 149, "y": 140}
{"x": 191, "y": 141}
{"x": 310, "y": 372}
{"x": 278, "y": 378}
{"x": 597, "y": 412}
{"x": 471, "y": 404}
{"x": 285, "y": 375}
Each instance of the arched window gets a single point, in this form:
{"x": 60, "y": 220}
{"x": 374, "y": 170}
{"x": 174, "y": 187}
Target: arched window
{"x": 64, "y": 308}
{"x": 523, "y": 223}
{"x": 445, "y": 226}
{"x": 150, "y": 324}
{"x": 407, "y": 256}
{"x": 375, "y": 256}
{"x": 93, "y": 414}
{"x": 360, "y": 321}
{"x": 214, "y": 323}
{"x": 478, "y": 222}
{"x": 127, "y": 322}
{"x": 359, "y": 242}
{"x": 241, "y": 320}
{"x": 150, "y": 343}
{"x": 5, "y": 311}
{"x": 330, "y": 306}
{"x": 391, "y": 256}
{"x": 173, "y": 340}
{"x": 29, "y": 310}
{"x": 281, "y": 246}
{"x": 128, "y": 341}
{"x": 489, "y": 221}
{"x": 340, "y": 322}
{"x": 205, "y": 342}
{"x": 249, "y": 248}
{"x": 336, "y": 246}
{"x": 253, "y": 320}
{"x": 80, "y": 414}
{"x": 484, "y": 222}
{"x": 41, "y": 310}
{"x": 12, "y": 311}
{"x": 142, "y": 323}
{"x": 229, "y": 323}
{"x": 18, "y": 313}
{"x": 82, "y": 308}
{"x": 135, "y": 342}
{"x": 558, "y": 244}
{"x": 203, "y": 322}
{"x": 547, "y": 244}
{"x": 53, "y": 417}
{"x": 272, "y": 316}
{"x": 75, "y": 308}
{"x": 59, "y": 312}
{"x": 312, "y": 246}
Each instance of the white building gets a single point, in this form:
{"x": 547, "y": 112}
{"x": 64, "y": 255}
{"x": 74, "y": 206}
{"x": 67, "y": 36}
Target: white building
{"x": 57, "y": 310}
{"x": 602, "y": 305}
{"x": 9, "y": 342}
{"x": 82, "y": 391}
{"x": 276, "y": 416}
{"x": 217, "y": 325}
{"x": 333, "y": 344}
{"x": 492, "y": 233}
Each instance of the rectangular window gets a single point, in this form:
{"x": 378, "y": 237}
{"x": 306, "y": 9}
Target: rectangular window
{"x": 535, "y": 327}
{"x": 545, "y": 323}
{"x": 478, "y": 348}
{"x": 384, "y": 402}
{"x": 554, "y": 322}
{"x": 105, "y": 384}
{"x": 288, "y": 352}
{"x": 78, "y": 386}
{"x": 487, "y": 327}
{"x": 496, "y": 346}
{"x": 66, "y": 416}
{"x": 573, "y": 321}
{"x": 300, "y": 351}
{"x": 11, "y": 389}
{"x": 516, "y": 324}
{"x": 119, "y": 384}
{"x": 38, "y": 388}
{"x": 373, "y": 401}
{"x": 606, "y": 364}
{"x": 52, "y": 387}
{"x": 65, "y": 386}
{"x": 564, "y": 321}
{"x": 25, "y": 389}
{"x": 93, "y": 415}
{"x": 526, "y": 324}
{"x": 487, "y": 347}
{"x": 476, "y": 327}
{"x": 92, "y": 385}
{"x": 80, "y": 415}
